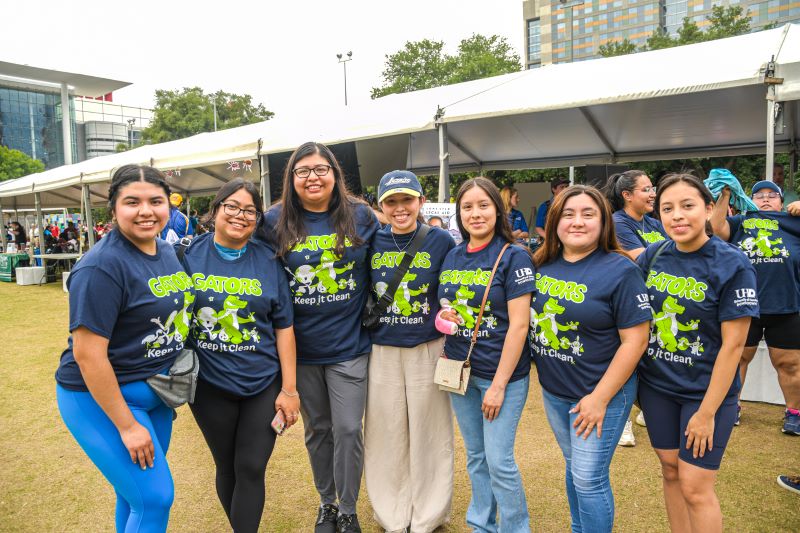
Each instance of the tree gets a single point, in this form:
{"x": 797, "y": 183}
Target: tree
{"x": 617, "y": 48}
{"x": 15, "y": 164}
{"x": 424, "y": 64}
{"x": 727, "y": 21}
{"x": 180, "y": 114}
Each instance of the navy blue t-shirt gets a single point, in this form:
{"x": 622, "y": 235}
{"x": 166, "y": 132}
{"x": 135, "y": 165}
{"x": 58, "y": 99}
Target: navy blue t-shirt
{"x": 576, "y": 313}
{"x": 410, "y": 320}
{"x": 771, "y": 240}
{"x": 517, "y": 221}
{"x": 692, "y": 293}
{"x": 328, "y": 292}
{"x": 541, "y": 213}
{"x": 141, "y": 303}
{"x": 633, "y": 234}
{"x": 239, "y": 305}
{"x": 462, "y": 282}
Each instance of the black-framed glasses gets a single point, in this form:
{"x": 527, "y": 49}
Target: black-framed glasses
{"x": 762, "y": 195}
{"x": 305, "y": 172}
{"x": 233, "y": 210}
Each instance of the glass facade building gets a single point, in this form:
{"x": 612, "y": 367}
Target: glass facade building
{"x": 574, "y": 30}
{"x": 30, "y": 121}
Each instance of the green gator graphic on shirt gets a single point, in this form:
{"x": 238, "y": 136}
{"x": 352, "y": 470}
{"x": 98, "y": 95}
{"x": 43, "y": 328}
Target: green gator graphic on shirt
{"x": 176, "y": 327}
{"x": 461, "y": 303}
{"x": 403, "y": 303}
{"x": 324, "y": 277}
{"x": 545, "y": 326}
{"x": 650, "y": 236}
{"x": 761, "y": 245}
{"x": 222, "y": 328}
{"x": 666, "y": 327}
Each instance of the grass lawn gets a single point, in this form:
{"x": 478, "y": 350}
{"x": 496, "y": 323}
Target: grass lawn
{"x": 48, "y": 484}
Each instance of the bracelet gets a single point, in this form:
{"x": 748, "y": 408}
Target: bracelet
{"x": 296, "y": 394}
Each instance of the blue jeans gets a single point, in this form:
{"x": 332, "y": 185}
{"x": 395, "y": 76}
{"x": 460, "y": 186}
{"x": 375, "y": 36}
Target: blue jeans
{"x": 591, "y": 502}
{"x": 493, "y": 472}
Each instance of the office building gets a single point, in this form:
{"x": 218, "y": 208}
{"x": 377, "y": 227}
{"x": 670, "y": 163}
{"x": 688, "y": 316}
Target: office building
{"x": 32, "y": 101}
{"x": 573, "y": 30}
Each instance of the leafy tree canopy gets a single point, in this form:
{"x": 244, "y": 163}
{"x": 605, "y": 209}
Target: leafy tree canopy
{"x": 424, "y": 64}
{"x": 15, "y": 164}
{"x": 180, "y": 114}
{"x": 723, "y": 21}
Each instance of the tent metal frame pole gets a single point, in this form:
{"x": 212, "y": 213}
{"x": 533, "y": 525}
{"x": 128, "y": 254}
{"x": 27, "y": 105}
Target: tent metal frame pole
{"x": 266, "y": 192}
{"x": 790, "y": 108}
{"x": 444, "y": 164}
{"x": 2, "y": 228}
{"x": 770, "y": 162}
{"x": 39, "y": 222}
{"x": 87, "y": 200}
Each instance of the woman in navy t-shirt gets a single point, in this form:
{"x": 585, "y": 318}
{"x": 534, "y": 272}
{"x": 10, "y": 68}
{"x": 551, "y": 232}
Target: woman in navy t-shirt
{"x": 703, "y": 294}
{"x": 589, "y": 325}
{"x": 242, "y": 331}
{"x": 770, "y": 238}
{"x": 519, "y": 228}
{"x": 322, "y": 234}
{"x": 130, "y": 307}
{"x": 408, "y": 418}
{"x": 489, "y": 412}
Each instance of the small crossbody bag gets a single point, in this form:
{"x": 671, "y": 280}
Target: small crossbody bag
{"x": 452, "y": 375}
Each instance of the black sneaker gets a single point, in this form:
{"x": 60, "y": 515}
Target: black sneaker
{"x": 326, "y": 519}
{"x": 348, "y": 523}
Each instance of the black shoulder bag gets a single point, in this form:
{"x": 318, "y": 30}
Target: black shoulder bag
{"x": 374, "y": 309}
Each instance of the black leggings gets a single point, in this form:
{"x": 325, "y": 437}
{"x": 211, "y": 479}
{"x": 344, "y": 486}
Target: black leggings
{"x": 238, "y": 433}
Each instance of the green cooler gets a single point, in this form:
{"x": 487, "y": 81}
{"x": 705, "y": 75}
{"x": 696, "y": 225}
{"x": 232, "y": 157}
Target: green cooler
{"x": 9, "y": 263}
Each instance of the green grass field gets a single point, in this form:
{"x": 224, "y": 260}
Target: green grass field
{"x": 48, "y": 484}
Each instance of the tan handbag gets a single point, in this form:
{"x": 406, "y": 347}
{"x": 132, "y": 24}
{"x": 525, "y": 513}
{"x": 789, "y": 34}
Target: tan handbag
{"x": 452, "y": 375}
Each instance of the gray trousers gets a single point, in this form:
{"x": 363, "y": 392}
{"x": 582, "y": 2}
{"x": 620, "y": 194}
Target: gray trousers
{"x": 332, "y": 400}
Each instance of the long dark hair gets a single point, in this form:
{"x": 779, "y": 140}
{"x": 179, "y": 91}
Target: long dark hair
{"x": 127, "y": 174}
{"x": 619, "y": 183}
{"x": 689, "y": 179}
{"x": 552, "y": 244}
{"x": 502, "y": 226}
{"x": 291, "y": 228}
{"x": 228, "y": 189}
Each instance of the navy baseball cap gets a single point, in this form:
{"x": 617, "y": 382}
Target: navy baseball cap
{"x": 765, "y": 184}
{"x": 398, "y": 181}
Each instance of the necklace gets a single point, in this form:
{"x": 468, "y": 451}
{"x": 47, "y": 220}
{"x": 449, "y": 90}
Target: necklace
{"x": 403, "y": 249}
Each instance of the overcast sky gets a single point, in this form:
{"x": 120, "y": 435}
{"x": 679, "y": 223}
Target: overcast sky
{"x": 283, "y": 53}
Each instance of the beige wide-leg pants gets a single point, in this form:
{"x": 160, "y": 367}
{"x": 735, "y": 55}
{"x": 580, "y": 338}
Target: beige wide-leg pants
{"x": 408, "y": 439}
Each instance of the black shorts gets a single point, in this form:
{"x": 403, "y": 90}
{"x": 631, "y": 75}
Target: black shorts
{"x": 667, "y": 417}
{"x": 779, "y": 331}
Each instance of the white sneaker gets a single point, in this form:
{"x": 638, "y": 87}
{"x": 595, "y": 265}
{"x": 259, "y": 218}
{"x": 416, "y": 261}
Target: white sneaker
{"x": 640, "y": 419}
{"x": 627, "y": 438}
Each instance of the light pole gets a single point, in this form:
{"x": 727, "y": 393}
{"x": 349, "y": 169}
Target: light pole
{"x": 214, "y": 105}
{"x": 131, "y": 122}
{"x": 344, "y": 64}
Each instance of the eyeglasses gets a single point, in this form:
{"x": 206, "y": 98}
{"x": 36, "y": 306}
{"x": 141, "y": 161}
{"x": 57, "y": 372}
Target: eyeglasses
{"x": 305, "y": 172}
{"x": 763, "y": 195}
{"x": 647, "y": 190}
{"x": 233, "y": 211}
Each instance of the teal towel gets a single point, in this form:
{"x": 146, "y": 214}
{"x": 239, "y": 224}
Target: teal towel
{"x": 720, "y": 178}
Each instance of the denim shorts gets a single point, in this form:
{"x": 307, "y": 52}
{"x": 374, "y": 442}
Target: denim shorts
{"x": 667, "y": 417}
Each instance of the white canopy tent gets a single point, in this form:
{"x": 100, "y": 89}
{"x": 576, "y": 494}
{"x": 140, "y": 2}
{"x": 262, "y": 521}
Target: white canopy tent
{"x": 713, "y": 98}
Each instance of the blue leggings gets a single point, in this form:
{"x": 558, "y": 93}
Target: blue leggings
{"x": 144, "y": 497}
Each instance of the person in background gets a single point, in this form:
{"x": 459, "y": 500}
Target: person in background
{"x": 19, "y": 237}
{"x": 488, "y": 414}
{"x": 556, "y": 186}
{"x": 436, "y": 221}
{"x": 770, "y": 239}
{"x": 247, "y": 360}
{"x": 178, "y": 225}
{"x": 408, "y": 418}
{"x": 70, "y": 232}
{"x": 589, "y": 331}
{"x": 373, "y": 204}
{"x": 703, "y": 294}
{"x": 130, "y": 305}
{"x": 778, "y": 177}
{"x": 322, "y": 234}
{"x": 519, "y": 228}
